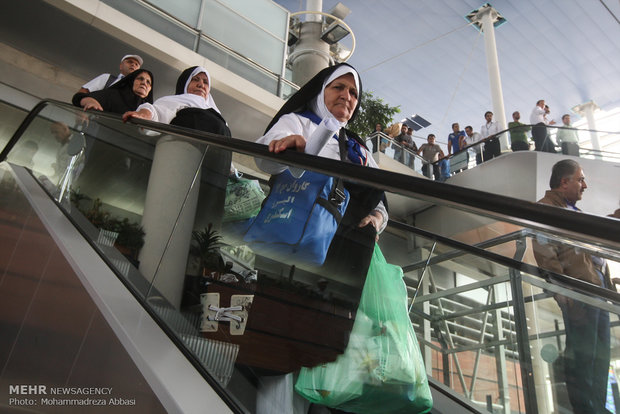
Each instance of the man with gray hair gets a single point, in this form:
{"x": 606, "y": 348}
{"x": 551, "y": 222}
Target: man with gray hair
{"x": 587, "y": 351}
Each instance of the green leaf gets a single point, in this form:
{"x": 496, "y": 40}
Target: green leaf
{"x": 372, "y": 111}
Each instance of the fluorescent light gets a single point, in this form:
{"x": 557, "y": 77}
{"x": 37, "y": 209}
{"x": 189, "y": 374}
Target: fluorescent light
{"x": 334, "y": 33}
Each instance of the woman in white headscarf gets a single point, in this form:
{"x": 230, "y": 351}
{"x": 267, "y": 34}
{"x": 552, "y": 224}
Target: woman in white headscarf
{"x": 331, "y": 98}
{"x": 192, "y": 106}
{"x": 333, "y": 93}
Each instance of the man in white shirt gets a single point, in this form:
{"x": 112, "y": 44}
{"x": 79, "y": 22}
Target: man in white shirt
{"x": 538, "y": 119}
{"x": 492, "y": 147}
{"x": 129, "y": 63}
{"x": 567, "y": 137}
{"x": 472, "y": 138}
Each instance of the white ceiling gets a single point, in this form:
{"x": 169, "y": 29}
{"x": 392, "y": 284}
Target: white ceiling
{"x": 419, "y": 55}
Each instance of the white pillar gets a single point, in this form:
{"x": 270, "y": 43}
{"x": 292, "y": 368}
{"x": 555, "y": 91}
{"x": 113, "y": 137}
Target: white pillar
{"x": 170, "y": 207}
{"x": 540, "y": 368}
{"x": 311, "y": 54}
{"x": 487, "y": 16}
{"x": 587, "y": 109}
{"x": 314, "y": 5}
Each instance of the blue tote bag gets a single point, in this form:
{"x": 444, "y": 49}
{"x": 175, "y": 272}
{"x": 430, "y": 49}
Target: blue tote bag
{"x": 299, "y": 218}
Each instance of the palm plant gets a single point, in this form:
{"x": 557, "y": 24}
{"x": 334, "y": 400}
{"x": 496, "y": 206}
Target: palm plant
{"x": 206, "y": 246}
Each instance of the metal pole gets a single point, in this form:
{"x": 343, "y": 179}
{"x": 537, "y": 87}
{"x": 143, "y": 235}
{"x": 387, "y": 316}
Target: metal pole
{"x": 483, "y": 330}
{"x": 311, "y": 54}
{"x": 523, "y": 341}
{"x": 486, "y": 17}
{"x": 500, "y": 357}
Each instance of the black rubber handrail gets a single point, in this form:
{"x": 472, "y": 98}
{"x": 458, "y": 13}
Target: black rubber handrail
{"x": 583, "y": 226}
{"x": 551, "y": 277}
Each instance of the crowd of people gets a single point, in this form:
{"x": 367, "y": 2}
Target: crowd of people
{"x": 485, "y": 144}
{"x": 131, "y": 93}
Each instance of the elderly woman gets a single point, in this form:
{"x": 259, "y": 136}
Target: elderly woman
{"x": 333, "y": 93}
{"x": 175, "y": 164}
{"x": 192, "y": 106}
{"x": 125, "y": 95}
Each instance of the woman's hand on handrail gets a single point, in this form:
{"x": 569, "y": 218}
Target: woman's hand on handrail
{"x": 292, "y": 141}
{"x": 142, "y": 114}
{"x": 90, "y": 103}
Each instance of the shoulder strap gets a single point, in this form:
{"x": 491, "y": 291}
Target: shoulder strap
{"x": 311, "y": 116}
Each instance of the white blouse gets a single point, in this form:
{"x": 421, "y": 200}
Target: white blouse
{"x": 165, "y": 108}
{"x": 293, "y": 124}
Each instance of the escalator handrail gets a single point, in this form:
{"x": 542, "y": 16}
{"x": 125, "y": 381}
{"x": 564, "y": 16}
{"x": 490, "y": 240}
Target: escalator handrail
{"x": 550, "y": 276}
{"x": 596, "y": 229}
{"x": 499, "y": 240}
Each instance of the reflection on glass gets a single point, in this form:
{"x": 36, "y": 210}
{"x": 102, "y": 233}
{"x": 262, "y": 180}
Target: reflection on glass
{"x": 492, "y": 333}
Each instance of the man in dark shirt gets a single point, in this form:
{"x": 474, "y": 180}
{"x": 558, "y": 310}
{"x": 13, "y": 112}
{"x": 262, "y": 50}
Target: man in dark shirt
{"x": 399, "y": 153}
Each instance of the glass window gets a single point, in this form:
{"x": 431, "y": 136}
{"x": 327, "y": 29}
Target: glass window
{"x": 162, "y": 25}
{"x": 249, "y": 40}
{"x": 186, "y": 10}
{"x": 264, "y": 13}
{"x": 241, "y": 67}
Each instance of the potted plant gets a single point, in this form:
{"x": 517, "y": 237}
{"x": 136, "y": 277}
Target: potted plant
{"x": 101, "y": 219}
{"x": 126, "y": 236}
{"x": 78, "y": 198}
{"x": 130, "y": 238}
{"x": 206, "y": 244}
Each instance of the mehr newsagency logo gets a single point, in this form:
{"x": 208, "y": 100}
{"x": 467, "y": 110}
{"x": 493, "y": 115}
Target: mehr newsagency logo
{"x": 25, "y": 395}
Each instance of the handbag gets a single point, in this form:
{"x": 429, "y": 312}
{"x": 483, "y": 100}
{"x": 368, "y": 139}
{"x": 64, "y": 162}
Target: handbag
{"x": 382, "y": 370}
{"x": 243, "y": 199}
{"x": 299, "y": 218}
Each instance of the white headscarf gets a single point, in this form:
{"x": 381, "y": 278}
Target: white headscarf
{"x": 318, "y": 103}
{"x": 196, "y": 101}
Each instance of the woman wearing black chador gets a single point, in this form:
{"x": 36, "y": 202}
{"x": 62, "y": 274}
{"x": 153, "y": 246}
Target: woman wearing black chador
{"x": 125, "y": 95}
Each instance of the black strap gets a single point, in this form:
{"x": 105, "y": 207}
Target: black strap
{"x": 342, "y": 144}
{"x": 337, "y": 195}
{"x": 331, "y": 208}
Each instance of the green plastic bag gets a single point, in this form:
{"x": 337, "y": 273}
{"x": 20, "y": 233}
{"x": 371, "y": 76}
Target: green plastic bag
{"x": 382, "y": 370}
{"x": 243, "y": 199}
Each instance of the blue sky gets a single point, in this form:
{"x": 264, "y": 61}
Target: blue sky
{"x": 422, "y": 56}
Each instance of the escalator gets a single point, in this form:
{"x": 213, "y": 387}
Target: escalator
{"x": 82, "y": 313}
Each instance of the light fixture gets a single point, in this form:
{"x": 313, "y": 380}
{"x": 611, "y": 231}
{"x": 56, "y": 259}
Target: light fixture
{"x": 416, "y": 122}
{"x": 334, "y": 33}
{"x": 474, "y": 16}
{"x": 339, "y": 10}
